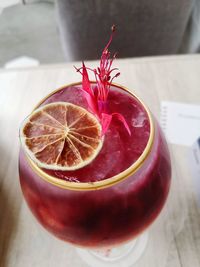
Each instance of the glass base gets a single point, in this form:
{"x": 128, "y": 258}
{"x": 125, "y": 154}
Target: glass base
{"x": 122, "y": 256}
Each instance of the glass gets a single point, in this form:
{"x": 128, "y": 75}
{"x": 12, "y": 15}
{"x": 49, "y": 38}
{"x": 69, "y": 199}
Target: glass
{"x": 107, "y": 213}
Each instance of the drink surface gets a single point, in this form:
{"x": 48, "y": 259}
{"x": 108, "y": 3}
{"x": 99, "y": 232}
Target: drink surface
{"x": 120, "y": 150}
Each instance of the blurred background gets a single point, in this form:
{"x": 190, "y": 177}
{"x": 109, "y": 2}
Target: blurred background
{"x": 34, "y": 32}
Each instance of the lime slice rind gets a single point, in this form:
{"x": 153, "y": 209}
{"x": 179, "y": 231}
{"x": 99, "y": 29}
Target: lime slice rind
{"x": 90, "y": 147}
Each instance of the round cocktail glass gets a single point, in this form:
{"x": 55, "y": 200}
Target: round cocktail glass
{"x": 101, "y": 214}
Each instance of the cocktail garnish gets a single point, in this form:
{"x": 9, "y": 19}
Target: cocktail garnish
{"x": 97, "y": 96}
{"x": 61, "y": 136}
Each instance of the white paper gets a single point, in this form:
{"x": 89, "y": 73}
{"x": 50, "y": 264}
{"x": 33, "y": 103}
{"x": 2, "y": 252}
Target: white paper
{"x": 194, "y": 163}
{"x": 180, "y": 122}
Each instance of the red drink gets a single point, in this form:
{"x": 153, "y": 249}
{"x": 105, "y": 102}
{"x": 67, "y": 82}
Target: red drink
{"x": 114, "y": 198}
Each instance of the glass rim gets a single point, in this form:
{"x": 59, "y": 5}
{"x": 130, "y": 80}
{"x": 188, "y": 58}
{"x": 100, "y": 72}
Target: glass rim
{"x": 84, "y": 186}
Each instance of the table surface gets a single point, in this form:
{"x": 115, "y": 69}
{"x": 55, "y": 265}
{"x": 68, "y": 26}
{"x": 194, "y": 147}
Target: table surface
{"x": 174, "y": 238}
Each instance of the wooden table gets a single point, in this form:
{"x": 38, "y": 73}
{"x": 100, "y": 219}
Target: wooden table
{"x": 174, "y": 238}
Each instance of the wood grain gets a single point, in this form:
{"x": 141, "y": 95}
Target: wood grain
{"x": 174, "y": 238}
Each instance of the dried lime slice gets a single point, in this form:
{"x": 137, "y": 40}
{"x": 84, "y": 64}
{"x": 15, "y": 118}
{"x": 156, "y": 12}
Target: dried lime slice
{"x": 61, "y": 136}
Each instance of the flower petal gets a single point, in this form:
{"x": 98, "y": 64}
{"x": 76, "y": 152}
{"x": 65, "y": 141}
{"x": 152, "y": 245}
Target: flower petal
{"x": 121, "y": 118}
{"x": 105, "y": 122}
{"x": 91, "y": 103}
{"x": 88, "y": 92}
{"x": 86, "y": 81}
